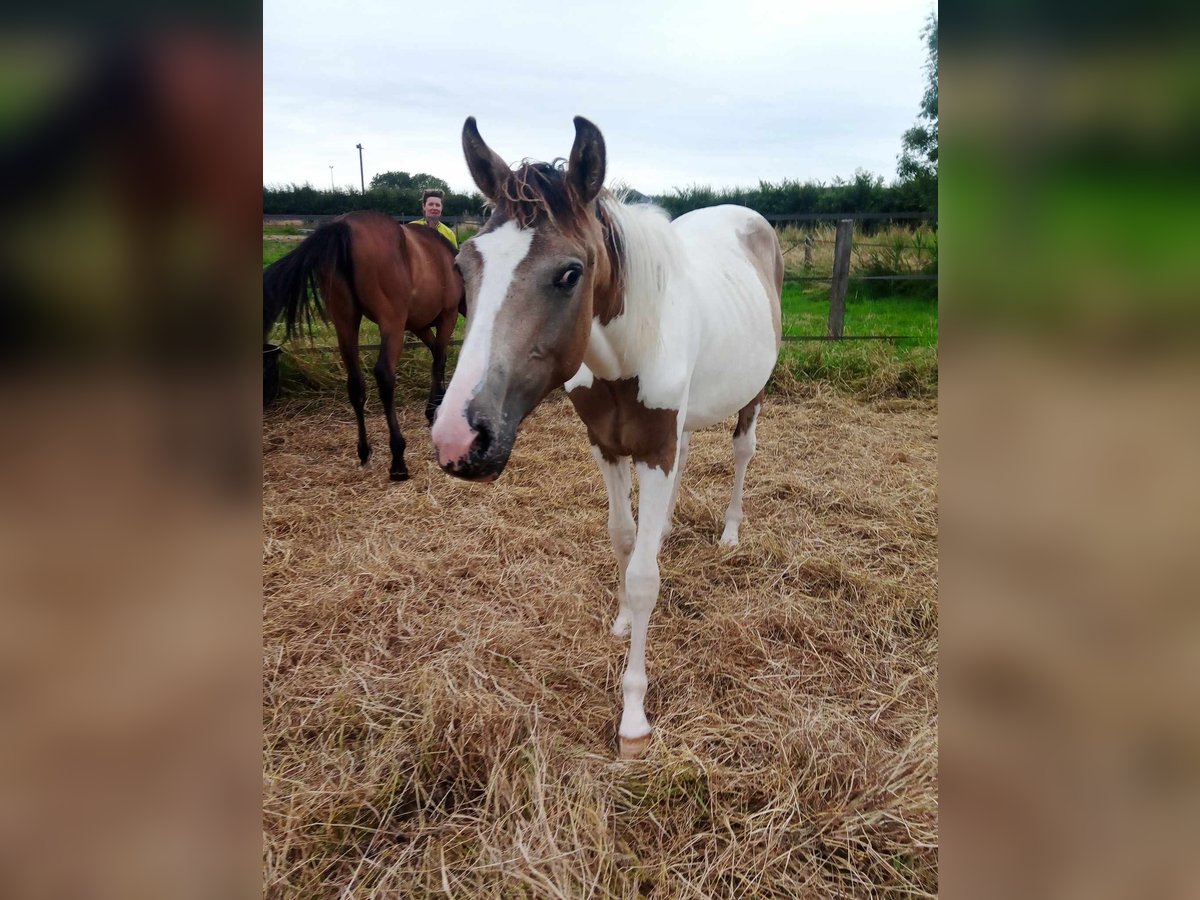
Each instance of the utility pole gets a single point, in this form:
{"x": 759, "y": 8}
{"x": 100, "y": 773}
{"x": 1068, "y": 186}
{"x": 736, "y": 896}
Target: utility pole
{"x": 361, "y": 179}
{"x": 331, "y": 178}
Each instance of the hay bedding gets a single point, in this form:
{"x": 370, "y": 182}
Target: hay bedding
{"x": 441, "y": 692}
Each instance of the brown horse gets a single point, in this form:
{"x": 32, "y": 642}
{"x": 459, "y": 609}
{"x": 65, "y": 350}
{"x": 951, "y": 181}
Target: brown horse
{"x": 398, "y": 276}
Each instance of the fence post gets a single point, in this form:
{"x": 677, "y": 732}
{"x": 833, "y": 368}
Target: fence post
{"x": 808, "y": 245}
{"x": 841, "y": 276}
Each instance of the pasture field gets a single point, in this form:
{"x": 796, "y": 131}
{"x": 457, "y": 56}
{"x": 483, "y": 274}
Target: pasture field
{"x": 909, "y": 249}
{"x": 441, "y": 691}
{"x": 870, "y": 369}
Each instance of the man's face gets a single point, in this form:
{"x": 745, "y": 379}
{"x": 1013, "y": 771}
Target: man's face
{"x": 433, "y": 208}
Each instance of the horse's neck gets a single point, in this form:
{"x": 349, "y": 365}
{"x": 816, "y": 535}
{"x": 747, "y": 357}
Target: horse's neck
{"x": 620, "y": 347}
{"x": 627, "y": 329}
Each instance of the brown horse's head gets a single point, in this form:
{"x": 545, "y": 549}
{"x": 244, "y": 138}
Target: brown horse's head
{"x": 535, "y": 276}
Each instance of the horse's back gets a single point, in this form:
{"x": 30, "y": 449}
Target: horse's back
{"x": 727, "y": 298}
{"x": 436, "y": 283}
{"x": 375, "y": 238}
{"x": 404, "y": 277}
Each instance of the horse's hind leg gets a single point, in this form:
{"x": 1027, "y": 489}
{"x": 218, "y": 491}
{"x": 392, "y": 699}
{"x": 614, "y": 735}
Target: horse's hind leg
{"x": 391, "y": 345}
{"x": 743, "y": 452}
{"x": 347, "y": 333}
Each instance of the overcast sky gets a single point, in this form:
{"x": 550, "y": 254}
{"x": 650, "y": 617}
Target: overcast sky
{"x": 695, "y": 92}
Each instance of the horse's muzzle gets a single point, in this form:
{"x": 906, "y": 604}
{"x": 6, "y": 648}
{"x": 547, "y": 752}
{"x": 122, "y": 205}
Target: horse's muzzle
{"x": 473, "y": 449}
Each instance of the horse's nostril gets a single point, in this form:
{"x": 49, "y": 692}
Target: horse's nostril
{"x": 483, "y": 439}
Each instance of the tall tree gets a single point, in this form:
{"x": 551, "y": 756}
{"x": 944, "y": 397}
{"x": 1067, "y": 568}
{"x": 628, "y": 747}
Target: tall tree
{"x": 399, "y": 180}
{"x": 405, "y": 182}
{"x": 421, "y": 181}
{"x": 919, "y": 157}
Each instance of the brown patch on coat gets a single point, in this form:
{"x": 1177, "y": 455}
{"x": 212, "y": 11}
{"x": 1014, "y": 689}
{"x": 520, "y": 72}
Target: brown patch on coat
{"x": 747, "y": 414}
{"x": 762, "y": 246}
{"x": 619, "y": 424}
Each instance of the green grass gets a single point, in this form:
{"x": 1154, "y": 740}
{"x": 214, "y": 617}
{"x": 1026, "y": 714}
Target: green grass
{"x": 869, "y": 369}
{"x": 274, "y": 250}
{"x": 806, "y": 312}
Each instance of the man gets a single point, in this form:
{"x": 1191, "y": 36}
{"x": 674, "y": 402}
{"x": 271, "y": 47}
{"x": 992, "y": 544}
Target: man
{"x": 431, "y": 205}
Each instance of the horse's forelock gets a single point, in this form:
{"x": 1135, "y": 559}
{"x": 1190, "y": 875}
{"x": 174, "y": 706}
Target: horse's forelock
{"x": 537, "y": 192}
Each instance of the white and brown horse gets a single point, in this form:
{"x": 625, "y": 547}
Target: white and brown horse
{"x": 656, "y": 327}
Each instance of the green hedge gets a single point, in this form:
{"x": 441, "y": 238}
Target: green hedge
{"x": 866, "y": 193}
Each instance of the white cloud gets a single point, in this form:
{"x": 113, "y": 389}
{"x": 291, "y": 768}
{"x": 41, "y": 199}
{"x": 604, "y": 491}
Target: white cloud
{"x": 693, "y": 92}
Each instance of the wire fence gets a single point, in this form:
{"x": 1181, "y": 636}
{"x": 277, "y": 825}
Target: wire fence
{"x": 410, "y": 344}
{"x": 838, "y": 279}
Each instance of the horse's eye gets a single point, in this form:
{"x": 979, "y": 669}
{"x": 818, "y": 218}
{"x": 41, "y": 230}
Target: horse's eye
{"x": 569, "y": 277}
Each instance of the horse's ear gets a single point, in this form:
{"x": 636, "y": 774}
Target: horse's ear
{"x": 488, "y": 169}
{"x": 585, "y": 170}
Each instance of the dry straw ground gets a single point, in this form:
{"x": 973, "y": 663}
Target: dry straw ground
{"x": 441, "y": 692}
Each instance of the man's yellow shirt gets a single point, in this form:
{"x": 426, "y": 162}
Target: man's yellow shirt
{"x": 442, "y": 230}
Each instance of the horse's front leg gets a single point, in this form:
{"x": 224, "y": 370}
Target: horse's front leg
{"x": 437, "y": 347}
{"x": 621, "y": 528}
{"x": 641, "y": 587}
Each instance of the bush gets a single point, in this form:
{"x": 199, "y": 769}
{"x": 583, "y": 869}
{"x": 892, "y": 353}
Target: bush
{"x": 866, "y": 193}
{"x": 305, "y": 200}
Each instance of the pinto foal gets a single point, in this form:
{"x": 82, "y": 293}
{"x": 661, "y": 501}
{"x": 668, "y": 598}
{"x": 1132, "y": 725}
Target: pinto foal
{"x": 657, "y": 328}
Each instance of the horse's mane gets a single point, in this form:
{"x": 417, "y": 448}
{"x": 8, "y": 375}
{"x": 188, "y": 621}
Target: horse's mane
{"x": 645, "y": 254}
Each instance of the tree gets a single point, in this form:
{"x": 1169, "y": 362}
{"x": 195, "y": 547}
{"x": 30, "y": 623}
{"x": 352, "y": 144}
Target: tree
{"x": 398, "y": 180}
{"x": 421, "y": 181}
{"x": 919, "y": 158}
{"x": 403, "y": 181}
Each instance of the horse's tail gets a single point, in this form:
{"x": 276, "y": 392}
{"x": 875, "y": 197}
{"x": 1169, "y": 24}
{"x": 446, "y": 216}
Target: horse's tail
{"x": 291, "y": 286}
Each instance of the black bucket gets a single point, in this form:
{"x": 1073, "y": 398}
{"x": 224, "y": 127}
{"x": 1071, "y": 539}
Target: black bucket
{"x": 270, "y": 373}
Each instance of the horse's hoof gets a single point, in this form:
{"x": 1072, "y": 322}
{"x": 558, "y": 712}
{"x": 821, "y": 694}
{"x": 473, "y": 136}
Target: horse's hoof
{"x": 399, "y": 476}
{"x": 634, "y": 748}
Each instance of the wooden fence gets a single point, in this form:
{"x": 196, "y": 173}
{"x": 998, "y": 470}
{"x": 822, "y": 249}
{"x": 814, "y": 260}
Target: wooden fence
{"x": 839, "y": 280}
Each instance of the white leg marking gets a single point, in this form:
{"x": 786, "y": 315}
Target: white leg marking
{"x": 641, "y": 583}
{"x": 743, "y": 452}
{"x": 621, "y": 528}
{"x": 683, "y": 451}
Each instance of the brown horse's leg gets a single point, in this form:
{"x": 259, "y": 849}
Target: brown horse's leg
{"x": 347, "y": 333}
{"x": 391, "y": 345}
{"x": 437, "y": 346}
